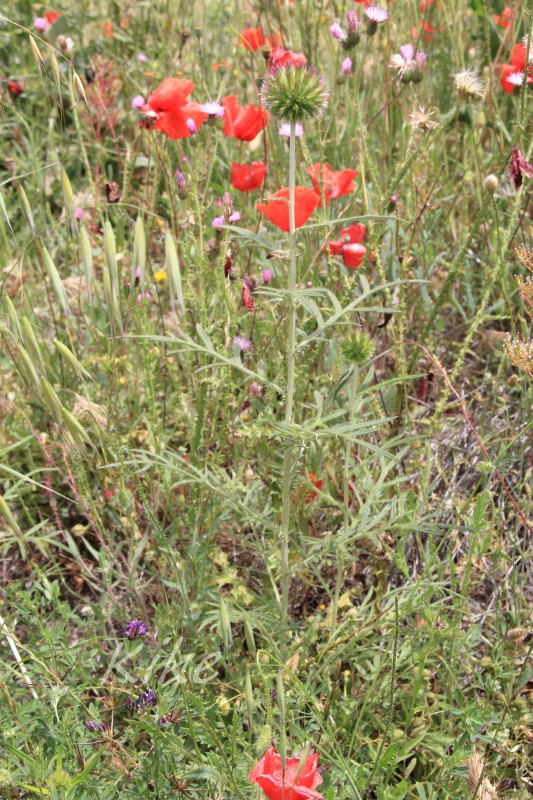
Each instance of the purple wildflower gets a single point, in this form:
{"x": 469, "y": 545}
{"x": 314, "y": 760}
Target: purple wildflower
{"x": 182, "y": 184}
{"x": 39, "y": 23}
{"x": 241, "y": 344}
{"x": 267, "y": 276}
{"x": 140, "y": 297}
{"x": 79, "y": 212}
{"x": 213, "y": 109}
{"x": 94, "y": 725}
{"x": 376, "y": 15}
{"x": 191, "y": 125}
{"x": 410, "y": 65}
{"x": 146, "y": 699}
{"x": 285, "y": 129}
{"x": 337, "y": 32}
{"x": 135, "y": 628}
{"x": 138, "y": 101}
{"x": 218, "y": 222}
{"x": 142, "y": 57}
{"x": 346, "y": 66}
{"x": 235, "y": 217}
{"x": 352, "y": 21}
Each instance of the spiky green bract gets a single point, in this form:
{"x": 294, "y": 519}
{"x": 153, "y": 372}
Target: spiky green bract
{"x": 358, "y": 347}
{"x": 295, "y": 93}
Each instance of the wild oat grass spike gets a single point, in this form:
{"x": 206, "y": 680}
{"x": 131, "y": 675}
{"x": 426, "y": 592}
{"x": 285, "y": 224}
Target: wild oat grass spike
{"x": 295, "y": 93}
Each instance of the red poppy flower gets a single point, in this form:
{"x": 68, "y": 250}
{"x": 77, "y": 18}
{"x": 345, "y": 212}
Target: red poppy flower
{"x": 274, "y": 39}
{"x": 279, "y": 57}
{"x": 168, "y": 109}
{"x": 352, "y": 235}
{"x": 519, "y": 57}
{"x": 310, "y": 495}
{"x": 15, "y": 87}
{"x": 51, "y": 17}
{"x": 295, "y": 783}
{"x": 330, "y": 183}
{"x": 247, "y": 177}
{"x": 277, "y": 207}
{"x": 243, "y": 122}
{"x": 503, "y": 19}
{"x": 252, "y": 38}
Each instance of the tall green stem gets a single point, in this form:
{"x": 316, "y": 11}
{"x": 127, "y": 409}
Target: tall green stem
{"x": 289, "y": 400}
{"x": 352, "y": 392}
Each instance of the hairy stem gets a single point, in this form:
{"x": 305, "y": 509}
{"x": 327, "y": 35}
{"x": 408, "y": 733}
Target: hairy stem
{"x": 289, "y": 401}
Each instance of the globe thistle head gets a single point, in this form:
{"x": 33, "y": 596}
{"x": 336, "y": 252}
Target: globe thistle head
{"x": 295, "y": 93}
{"x": 60, "y": 779}
{"x": 358, "y": 347}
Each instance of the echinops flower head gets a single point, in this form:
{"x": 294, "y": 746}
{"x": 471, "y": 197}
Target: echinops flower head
{"x": 295, "y": 93}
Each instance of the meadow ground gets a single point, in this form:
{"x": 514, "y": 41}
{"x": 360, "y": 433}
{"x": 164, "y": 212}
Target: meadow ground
{"x": 266, "y": 462}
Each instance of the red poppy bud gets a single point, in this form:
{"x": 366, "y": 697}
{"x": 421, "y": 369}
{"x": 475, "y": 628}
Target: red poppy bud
{"x": 353, "y": 254}
{"x": 15, "y": 88}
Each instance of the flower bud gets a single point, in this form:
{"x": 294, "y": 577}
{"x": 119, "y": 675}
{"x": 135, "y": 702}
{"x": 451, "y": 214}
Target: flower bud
{"x": 358, "y": 347}
{"x": 295, "y": 93}
{"x": 491, "y": 183}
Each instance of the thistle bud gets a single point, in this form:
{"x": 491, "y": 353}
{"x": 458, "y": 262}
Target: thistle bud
{"x": 491, "y": 183}
{"x": 358, "y": 347}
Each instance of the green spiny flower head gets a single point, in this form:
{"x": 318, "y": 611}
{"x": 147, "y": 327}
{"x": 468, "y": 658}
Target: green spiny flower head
{"x": 358, "y": 347}
{"x": 60, "y": 779}
{"x": 295, "y": 93}
{"x": 5, "y": 777}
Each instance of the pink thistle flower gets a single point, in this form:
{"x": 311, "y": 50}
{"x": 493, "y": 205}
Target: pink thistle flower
{"x": 346, "y": 66}
{"x": 241, "y": 344}
{"x": 142, "y": 57}
{"x": 285, "y": 129}
{"x": 213, "y": 109}
{"x": 337, "y": 32}
{"x": 376, "y": 15}
{"x": 79, "y": 212}
{"x": 39, "y": 23}
{"x": 218, "y": 222}
{"x": 410, "y": 65}
{"x": 191, "y": 125}
{"x": 138, "y": 101}
{"x": 267, "y": 276}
